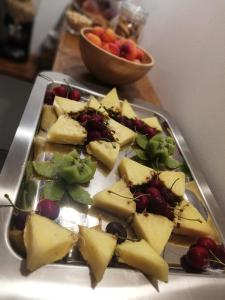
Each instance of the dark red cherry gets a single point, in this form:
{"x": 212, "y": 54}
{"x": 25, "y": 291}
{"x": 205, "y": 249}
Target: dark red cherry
{"x": 157, "y": 205}
{"x": 150, "y": 132}
{"x": 60, "y": 91}
{"x": 128, "y": 123}
{"x": 153, "y": 191}
{"x": 219, "y": 252}
{"x": 169, "y": 213}
{"x": 186, "y": 266}
{"x": 139, "y": 125}
{"x": 169, "y": 196}
{"x": 74, "y": 95}
{"x": 49, "y": 97}
{"x": 121, "y": 119}
{"x": 19, "y": 220}
{"x": 198, "y": 257}
{"x": 142, "y": 203}
{"x": 207, "y": 243}
{"x": 117, "y": 228}
{"x": 156, "y": 182}
{"x": 94, "y": 135}
{"x": 83, "y": 118}
{"x": 48, "y": 208}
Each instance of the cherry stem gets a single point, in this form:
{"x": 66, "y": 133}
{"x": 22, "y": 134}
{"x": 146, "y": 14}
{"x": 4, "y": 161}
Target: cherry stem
{"x": 174, "y": 183}
{"x": 131, "y": 198}
{"x": 13, "y": 205}
{"x": 217, "y": 259}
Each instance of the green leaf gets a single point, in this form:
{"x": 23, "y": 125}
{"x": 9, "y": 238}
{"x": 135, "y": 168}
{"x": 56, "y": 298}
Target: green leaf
{"x": 53, "y": 190}
{"x": 172, "y": 163}
{"x": 142, "y": 141}
{"x": 78, "y": 194}
{"x": 141, "y": 154}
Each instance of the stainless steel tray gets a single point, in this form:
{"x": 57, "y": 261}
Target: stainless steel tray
{"x": 60, "y": 280}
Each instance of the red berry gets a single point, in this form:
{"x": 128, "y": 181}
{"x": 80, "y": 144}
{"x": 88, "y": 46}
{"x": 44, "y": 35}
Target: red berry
{"x": 74, "y": 95}
{"x": 155, "y": 182}
{"x": 129, "y": 123}
{"x": 83, "y": 118}
{"x": 142, "y": 203}
{"x": 139, "y": 125}
{"x": 60, "y": 91}
{"x": 198, "y": 257}
{"x": 157, "y": 205}
{"x": 207, "y": 243}
{"x": 49, "y": 97}
{"x": 219, "y": 252}
{"x": 153, "y": 192}
{"x": 48, "y": 208}
{"x": 150, "y": 132}
{"x": 186, "y": 266}
{"x": 94, "y": 135}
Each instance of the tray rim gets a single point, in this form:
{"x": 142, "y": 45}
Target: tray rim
{"x": 25, "y": 133}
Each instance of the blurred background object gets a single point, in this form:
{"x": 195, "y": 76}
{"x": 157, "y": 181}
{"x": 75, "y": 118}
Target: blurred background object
{"x": 17, "y": 21}
{"x": 131, "y": 20}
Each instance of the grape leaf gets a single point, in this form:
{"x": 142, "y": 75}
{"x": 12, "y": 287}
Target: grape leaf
{"x": 78, "y": 194}
{"x": 53, "y": 190}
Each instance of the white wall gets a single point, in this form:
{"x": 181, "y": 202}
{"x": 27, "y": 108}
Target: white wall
{"x": 187, "y": 40}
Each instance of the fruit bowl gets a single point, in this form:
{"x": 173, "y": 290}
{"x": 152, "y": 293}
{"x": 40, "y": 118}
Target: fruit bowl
{"x": 110, "y": 68}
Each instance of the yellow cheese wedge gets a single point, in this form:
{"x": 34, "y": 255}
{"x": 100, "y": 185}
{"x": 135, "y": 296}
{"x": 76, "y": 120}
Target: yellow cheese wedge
{"x": 105, "y": 152}
{"x": 174, "y": 180}
{"x": 97, "y": 249}
{"x": 188, "y": 221}
{"x": 97, "y": 106}
{"x": 153, "y": 122}
{"x": 134, "y": 173}
{"x": 127, "y": 110}
{"x": 67, "y": 131}
{"x": 48, "y": 117}
{"x": 141, "y": 256}
{"x": 45, "y": 241}
{"x": 122, "y": 134}
{"x": 116, "y": 203}
{"x": 66, "y": 106}
{"x": 111, "y": 101}
{"x": 155, "y": 229}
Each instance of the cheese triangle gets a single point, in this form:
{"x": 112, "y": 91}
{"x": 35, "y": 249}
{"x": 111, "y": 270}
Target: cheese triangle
{"x": 97, "y": 249}
{"x": 134, "y": 173}
{"x": 118, "y": 204}
{"x": 105, "y": 152}
{"x": 45, "y": 241}
{"x": 174, "y": 180}
{"x": 155, "y": 229}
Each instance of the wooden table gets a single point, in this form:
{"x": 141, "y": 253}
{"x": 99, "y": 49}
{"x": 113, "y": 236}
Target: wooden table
{"x": 68, "y": 61}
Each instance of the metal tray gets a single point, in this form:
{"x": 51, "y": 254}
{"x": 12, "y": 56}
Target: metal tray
{"x": 70, "y": 276}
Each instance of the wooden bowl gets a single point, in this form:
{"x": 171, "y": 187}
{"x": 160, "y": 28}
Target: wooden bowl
{"x": 110, "y": 68}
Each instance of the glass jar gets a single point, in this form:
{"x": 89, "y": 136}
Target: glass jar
{"x": 131, "y": 20}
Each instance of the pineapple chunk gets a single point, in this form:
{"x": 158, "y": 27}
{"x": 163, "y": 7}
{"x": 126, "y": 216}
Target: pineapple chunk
{"x": 122, "y": 207}
{"x": 39, "y": 143}
{"x": 122, "y": 134}
{"x": 97, "y": 249}
{"x": 134, "y": 173}
{"x": 67, "y": 131}
{"x": 173, "y": 179}
{"x": 111, "y": 101}
{"x": 106, "y": 152}
{"x": 155, "y": 229}
{"x": 153, "y": 122}
{"x": 45, "y": 241}
{"x": 192, "y": 186}
{"x": 141, "y": 256}
{"x": 66, "y": 106}
{"x": 48, "y": 117}
{"x": 97, "y": 106}
{"x": 127, "y": 110}
{"x": 188, "y": 221}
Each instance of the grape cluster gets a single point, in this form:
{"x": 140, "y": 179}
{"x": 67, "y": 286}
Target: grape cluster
{"x": 96, "y": 126}
{"x": 154, "y": 197}
{"x": 136, "y": 125}
{"x": 205, "y": 253}
{"x": 61, "y": 91}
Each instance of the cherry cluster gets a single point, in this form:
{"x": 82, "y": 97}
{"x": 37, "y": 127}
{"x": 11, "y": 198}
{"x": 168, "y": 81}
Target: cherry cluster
{"x": 155, "y": 198}
{"x": 96, "y": 126}
{"x": 62, "y": 91}
{"x": 205, "y": 253}
{"x": 136, "y": 125}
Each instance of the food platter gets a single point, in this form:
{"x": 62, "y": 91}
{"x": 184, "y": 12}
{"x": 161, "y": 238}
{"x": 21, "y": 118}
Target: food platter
{"x": 71, "y": 273}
